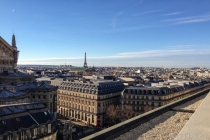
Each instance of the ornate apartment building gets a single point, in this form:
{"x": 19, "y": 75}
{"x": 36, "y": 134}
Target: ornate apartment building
{"x": 143, "y": 99}
{"x": 87, "y": 102}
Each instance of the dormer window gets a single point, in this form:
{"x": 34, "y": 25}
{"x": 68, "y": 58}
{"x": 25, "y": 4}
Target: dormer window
{"x": 18, "y": 119}
{"x": 4, "y": 122}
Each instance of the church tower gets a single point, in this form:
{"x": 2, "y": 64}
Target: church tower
{"x": 85, "y": 63}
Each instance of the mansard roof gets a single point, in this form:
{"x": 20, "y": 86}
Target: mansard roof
{"x": 34, "y": 86}
{"x": 15, "y": 74}
{"x": 146, "y": 90}
{"x": 17, "y": 108}
{"x": 24, "y": 116}
{"x": 98, "y": 88}
{"x": 8, "y": 94}
{"x": 45, "y": 86}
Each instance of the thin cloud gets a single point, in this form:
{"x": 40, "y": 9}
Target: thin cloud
{"x": 139, "y": 2}
{"x": 126, "y": 29}
{"x": 146, "y": 12}
{"x": 181, "y": 47}
{"x": 114, "y": 22}
{"x": 120, "y": 13}
{"x": 159, "y": 53}
{"x": 174, "y": 13}
{"x": 140, "y": 54}
{"x": 192, "y": 19}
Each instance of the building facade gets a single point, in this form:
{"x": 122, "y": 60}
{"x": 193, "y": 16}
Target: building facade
{"x": 8, "y": 54}
{"x": 43, "y": 93}
{"x": 143, "y": 99}
{"x": 87, "y": 102}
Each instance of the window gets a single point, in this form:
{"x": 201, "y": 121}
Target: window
{"x": 35, "y": 132}
{"x": 9, "y": 137}
{"x": 21, "y": 135}
{"x": 98, "y": 104}
{"x": 92, "y": 119}
{"x": 49, "y": 128}
{"x": 18, "y": 119}
{"x": 4, "y": 122}
{"x": 39, "y": 96}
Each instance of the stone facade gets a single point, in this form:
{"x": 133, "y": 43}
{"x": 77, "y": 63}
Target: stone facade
{"x": 87, "y": 102}
{"x": 144, "y": 99}
{"x": 42, "y": 93}
{"x": 8, "y": 55}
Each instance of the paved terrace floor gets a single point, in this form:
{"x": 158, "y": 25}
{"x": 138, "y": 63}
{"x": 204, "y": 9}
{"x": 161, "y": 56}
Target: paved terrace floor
{"x": 198, "y": 126}
{"x": 166, "y": 126}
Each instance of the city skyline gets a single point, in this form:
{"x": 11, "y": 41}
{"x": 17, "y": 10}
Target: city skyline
{"x": 113, "y": 33}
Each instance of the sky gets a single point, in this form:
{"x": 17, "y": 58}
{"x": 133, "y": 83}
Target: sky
{"x": 128, "y": 33}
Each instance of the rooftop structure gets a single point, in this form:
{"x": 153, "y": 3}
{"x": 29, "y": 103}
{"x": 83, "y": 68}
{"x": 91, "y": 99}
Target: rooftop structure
{"x": 26, "y": 121}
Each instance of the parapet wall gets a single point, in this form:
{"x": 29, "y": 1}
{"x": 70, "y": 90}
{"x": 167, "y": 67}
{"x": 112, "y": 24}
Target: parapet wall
{"x": 123, "y": 127}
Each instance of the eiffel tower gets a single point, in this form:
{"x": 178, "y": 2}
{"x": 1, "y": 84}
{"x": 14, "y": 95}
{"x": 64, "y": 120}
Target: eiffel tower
{"x": 85, "y": 63}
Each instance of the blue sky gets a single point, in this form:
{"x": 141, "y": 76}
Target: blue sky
{"x": 152, "y": 33}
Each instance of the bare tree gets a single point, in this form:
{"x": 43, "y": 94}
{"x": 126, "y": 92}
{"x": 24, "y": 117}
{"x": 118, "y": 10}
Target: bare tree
{"x": 126, "y": 112}
{"x": 113, "y": 113}
{"x": 116, "y": 114}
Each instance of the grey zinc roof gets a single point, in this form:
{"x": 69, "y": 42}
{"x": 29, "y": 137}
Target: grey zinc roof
{"x": 45, "y": 86}
{"x": 8, "y": 94}
{"x": 33, "y": 85}
{"x": 100, "y": 88}
{"x": 15, "y": 74}
{"x": 24, "y": 121}
{"x": 17, "y": 108}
